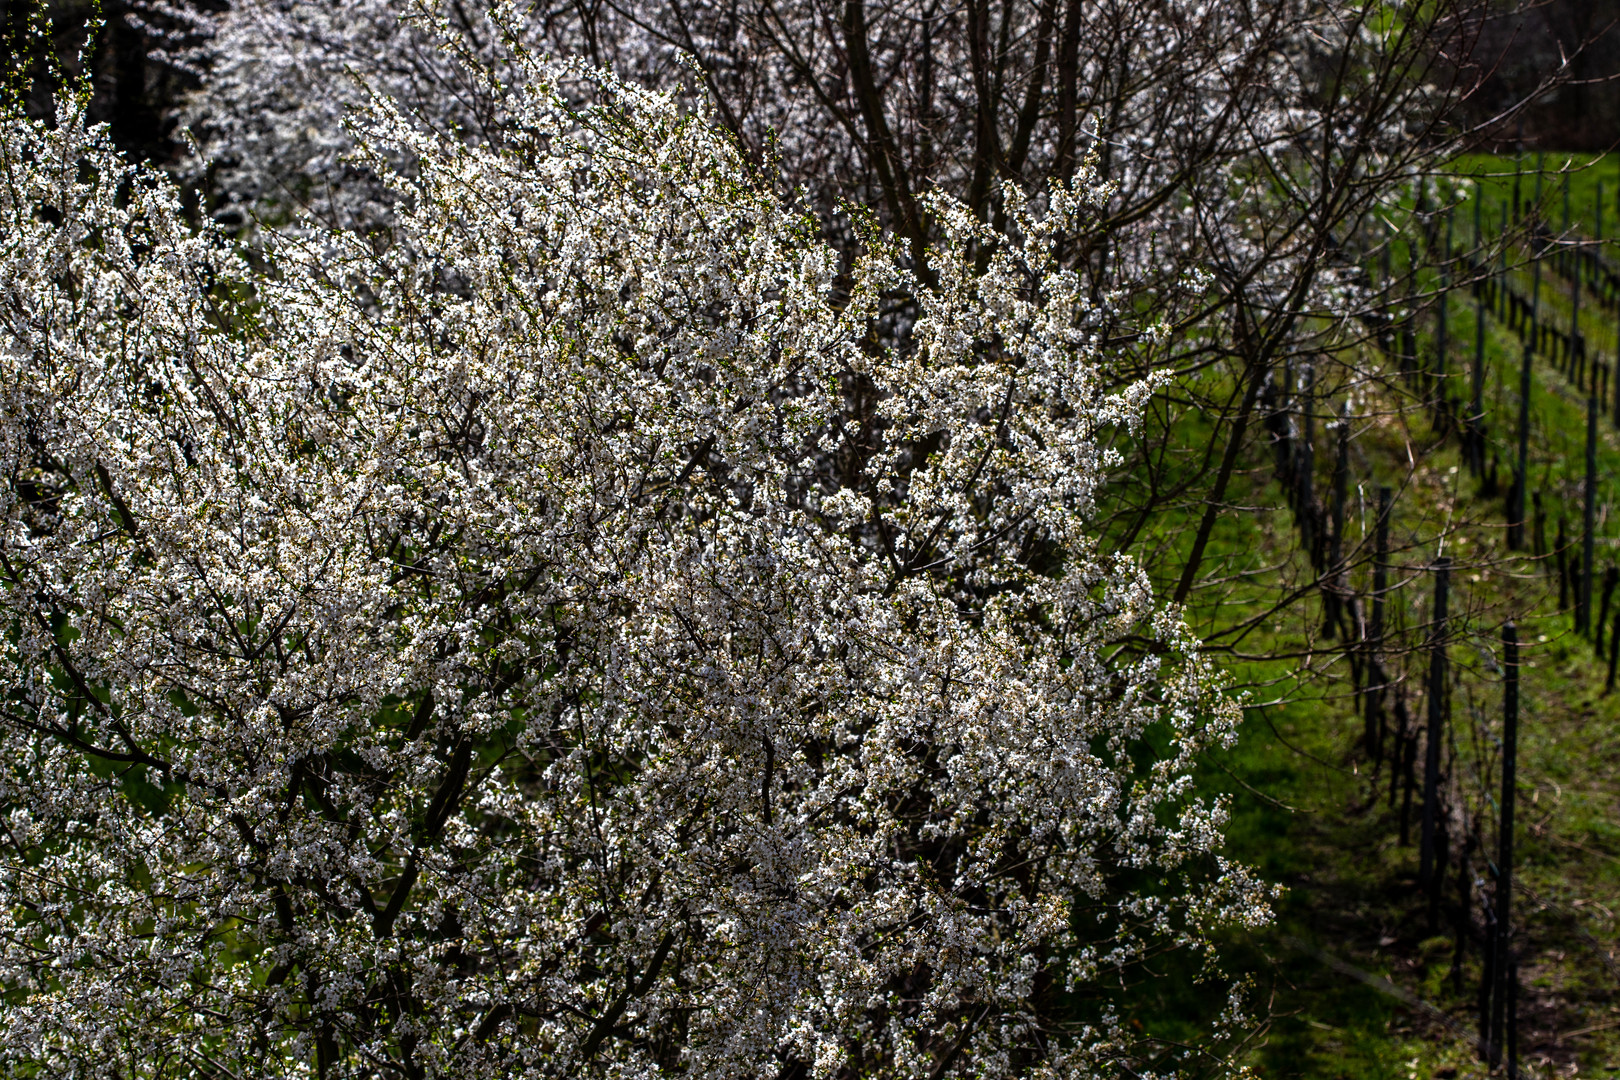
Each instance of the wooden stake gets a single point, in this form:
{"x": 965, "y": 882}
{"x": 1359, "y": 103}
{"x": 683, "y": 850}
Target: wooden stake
{"x": 1512, "y": 1034}
{"x": 1440, "y": 330}
{"x": 1306, "y": 469}
{"x": 1583, "y": 610}
{"x": 1374, "y": 726}
{"x": 1502, "y": 1020}
{"x": 1408, "y": 764}
{"x": 1501, "y": 275}
{"x": 1563, "y": 256}
{"x": 1430, "y": 873}
{"x": 1516, "y": 510}
{"x": 1535, "y": 302}
{"x": 1538, "y": 531}
{"x": 1476, "y": 412}
{"x": 1577, "y": 341}
{"x": 1333, "y": 598}
{"x": 1487, "y": 976}
{"x": 1535, "y": 211}
{"x": 1387, "y": 321}
{"x": 1409, "y": 357}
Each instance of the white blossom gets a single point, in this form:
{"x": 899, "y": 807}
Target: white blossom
{"x": 557, "y": 635}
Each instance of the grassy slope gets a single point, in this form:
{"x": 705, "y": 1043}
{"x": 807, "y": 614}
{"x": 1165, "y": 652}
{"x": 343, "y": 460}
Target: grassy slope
{"x": 1324, "y": 826}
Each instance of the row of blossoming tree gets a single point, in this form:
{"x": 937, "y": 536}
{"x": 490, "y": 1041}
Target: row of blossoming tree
{"x": 594, "y": 567}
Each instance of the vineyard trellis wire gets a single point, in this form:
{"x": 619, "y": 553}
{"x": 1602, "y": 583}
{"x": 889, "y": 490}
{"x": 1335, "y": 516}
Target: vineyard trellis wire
{"x": 1555, "y": 351}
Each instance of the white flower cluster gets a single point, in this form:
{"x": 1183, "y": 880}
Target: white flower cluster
{"x": 561, "y": 637}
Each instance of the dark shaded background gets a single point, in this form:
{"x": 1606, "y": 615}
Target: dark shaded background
{"x": 132, "y": 90}
{"x": 1517, "y": 51}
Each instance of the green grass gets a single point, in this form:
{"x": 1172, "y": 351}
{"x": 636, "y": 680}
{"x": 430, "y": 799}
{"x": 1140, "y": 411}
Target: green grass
{"x": 1311, "y": 811}
{"x": 1496, "y": 177}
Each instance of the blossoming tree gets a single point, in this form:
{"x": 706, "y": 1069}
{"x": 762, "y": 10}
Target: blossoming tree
{"x": 561, "y": 636}
{"x": 1253, "y": 153}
